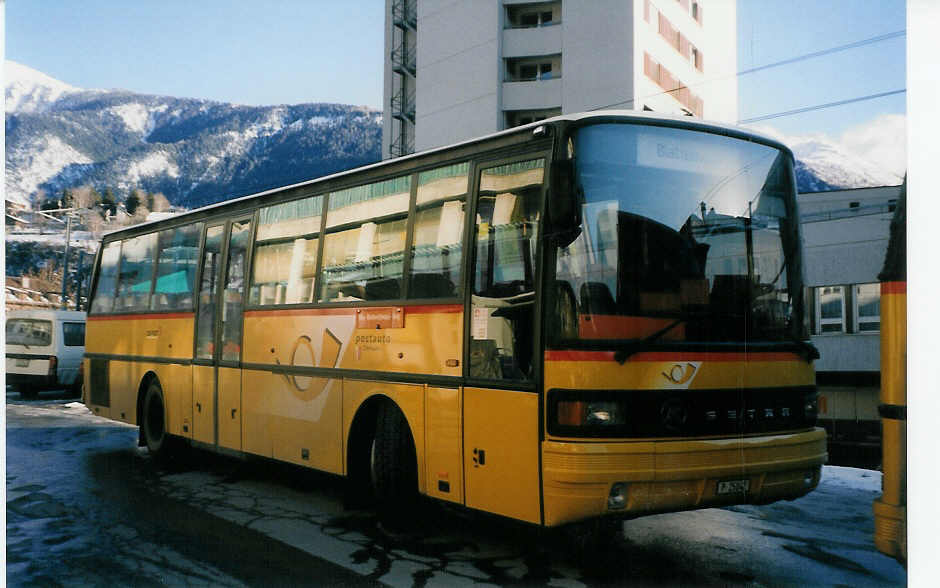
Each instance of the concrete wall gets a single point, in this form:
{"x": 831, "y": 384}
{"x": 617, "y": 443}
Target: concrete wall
{"x": 847, "y": 249}
{"x": 597, "y": 57}
{"x": 459, "y": 71}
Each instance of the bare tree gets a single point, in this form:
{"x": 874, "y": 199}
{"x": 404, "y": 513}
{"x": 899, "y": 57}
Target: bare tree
{"x": 158, "y": 202}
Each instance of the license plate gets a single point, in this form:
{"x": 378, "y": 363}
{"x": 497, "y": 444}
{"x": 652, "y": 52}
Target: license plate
{"x": 734, "y": 486}
{"x": 22, "y": 363}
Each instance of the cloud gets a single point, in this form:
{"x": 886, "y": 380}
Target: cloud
{"x": 882, "y": 140}
{"x": 875, "y": 150}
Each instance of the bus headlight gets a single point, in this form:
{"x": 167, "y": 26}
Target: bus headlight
{"x": 588, "y": 414}
{"x": 598, "y": 413}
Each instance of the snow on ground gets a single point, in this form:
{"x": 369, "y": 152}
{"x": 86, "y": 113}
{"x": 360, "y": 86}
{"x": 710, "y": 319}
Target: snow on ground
{"x": 822, "y": 539}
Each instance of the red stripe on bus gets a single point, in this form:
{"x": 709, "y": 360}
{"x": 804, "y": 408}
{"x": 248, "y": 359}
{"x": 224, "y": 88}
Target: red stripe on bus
{"x": 671, "y": 356}
{"x": 139, "y": 317}
{"x": 893, "y": 288}
{"x": 434, "y": 309}
{"x": 422, "y": 309}
{"x": 302, "y": 312}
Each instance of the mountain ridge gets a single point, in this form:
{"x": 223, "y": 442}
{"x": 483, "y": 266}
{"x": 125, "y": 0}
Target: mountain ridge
{"x": 195, "y": 151}
{"x": 199, "y": 152}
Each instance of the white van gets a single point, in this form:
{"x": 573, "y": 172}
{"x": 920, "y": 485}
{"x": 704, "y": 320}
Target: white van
{"x": 44, "y": 350}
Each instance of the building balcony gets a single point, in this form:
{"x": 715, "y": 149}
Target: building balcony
{"x": 523, "y": 42}
{"x": 532, "y": 95}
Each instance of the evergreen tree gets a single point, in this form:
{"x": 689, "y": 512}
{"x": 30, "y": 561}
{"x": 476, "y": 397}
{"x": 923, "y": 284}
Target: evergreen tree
{"x": 132, "y": 202}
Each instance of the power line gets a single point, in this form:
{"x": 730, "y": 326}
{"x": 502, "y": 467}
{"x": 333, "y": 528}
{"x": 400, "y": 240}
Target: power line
{"x": 861, "y": 43}
{"x": 853, "y": 45}
{"x": 820, "y": 106}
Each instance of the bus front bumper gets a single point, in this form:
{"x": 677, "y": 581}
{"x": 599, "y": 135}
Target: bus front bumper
{"x": 583, "y": 480}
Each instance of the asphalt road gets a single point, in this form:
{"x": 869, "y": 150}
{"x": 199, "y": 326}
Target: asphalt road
{"x": 86, "y": 506}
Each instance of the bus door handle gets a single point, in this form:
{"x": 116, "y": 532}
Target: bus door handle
{"x": 479, "y": 457}
{"x": 198, "y": 407}
{"x": 234, "y": 410}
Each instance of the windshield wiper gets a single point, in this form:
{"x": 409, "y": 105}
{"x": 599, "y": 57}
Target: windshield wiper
{"x": 633, "y": 347}
{"x": 805, "y": 349}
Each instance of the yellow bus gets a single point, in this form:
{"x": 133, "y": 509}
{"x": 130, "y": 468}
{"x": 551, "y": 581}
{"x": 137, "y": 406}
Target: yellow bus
{"x": 591, "y": 317}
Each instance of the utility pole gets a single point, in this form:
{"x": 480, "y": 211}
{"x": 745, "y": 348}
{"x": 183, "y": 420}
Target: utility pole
{"x": 65, "y": 261}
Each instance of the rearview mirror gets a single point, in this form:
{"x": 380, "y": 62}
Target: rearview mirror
{"x": 564, "y": 204}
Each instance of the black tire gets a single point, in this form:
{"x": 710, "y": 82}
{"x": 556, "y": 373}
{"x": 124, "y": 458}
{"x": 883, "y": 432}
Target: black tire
{"x": 394, "y": 465}
{"x": 153, "y": 421}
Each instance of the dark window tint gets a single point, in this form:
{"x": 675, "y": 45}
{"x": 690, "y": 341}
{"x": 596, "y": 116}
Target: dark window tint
{"x": 73, "y": 334}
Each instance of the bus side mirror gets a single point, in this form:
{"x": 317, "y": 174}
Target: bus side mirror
{"x": 564, "y": 204}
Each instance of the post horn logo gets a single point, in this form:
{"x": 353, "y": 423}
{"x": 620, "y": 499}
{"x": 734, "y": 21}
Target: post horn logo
{"x": 302, "y": 355}
{"x": 681, "y": 374}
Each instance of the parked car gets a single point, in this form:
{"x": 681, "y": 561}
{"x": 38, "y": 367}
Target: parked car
{"x": 44, "y": 350}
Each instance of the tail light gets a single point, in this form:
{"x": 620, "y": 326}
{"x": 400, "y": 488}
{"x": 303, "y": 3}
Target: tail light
{"x": 53, "y": 364}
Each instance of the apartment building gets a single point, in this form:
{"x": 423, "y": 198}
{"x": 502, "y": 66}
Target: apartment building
{"x": 456, "y": 70}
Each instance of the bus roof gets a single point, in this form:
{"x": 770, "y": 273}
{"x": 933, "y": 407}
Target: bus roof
{"x": 643, "y": 117}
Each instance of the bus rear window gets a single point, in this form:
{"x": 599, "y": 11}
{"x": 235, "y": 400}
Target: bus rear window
{"x": 29, "y": 332}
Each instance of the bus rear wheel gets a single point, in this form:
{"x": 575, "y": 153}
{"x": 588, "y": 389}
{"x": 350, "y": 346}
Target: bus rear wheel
{"x": 153, "y": 421}
{"x": 393, "y": 466}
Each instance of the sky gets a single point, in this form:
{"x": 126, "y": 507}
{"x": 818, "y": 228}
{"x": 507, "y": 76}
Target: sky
{"x": 293, "y": 51}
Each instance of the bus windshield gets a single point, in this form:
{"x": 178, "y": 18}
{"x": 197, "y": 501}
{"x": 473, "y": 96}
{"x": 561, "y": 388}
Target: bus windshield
{"x": 686, "y": 237}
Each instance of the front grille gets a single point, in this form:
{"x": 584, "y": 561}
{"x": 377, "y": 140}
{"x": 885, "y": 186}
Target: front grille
{"x": 690, "y": 413}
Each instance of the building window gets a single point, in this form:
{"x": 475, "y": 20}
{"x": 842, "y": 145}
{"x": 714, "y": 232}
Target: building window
{"x": 830, "y": 309}
{"x": 532, "y": 15}
{"x": 867, "y": 308}
{"x": 530, "y": 70}
{"x": 515, "y": 118}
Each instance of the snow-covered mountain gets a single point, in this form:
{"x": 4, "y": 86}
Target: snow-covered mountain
{"x": 28, "y": 90}
{"x": 194, "y": 151}
{"x": 197, "y": 152}
{"x": 825, "y": 165}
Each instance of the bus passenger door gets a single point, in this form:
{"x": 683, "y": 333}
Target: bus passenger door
{"x": 231, "y": 307}
{"x": 204, "y": 365}
{"x": 217, "y": 367}
{"x": 500, "y": 404}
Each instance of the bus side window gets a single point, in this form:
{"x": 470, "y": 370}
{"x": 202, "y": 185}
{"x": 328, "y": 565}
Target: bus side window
{"x": 362, "y": 260}
{"x": 437, "y": 252}
{"x": 107, "y": 279}
{"x": 177, "y": 257}
{"x": 502, "y": 322}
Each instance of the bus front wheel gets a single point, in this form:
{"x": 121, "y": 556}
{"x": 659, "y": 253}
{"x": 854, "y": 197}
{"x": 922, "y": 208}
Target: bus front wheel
{"x": 393, "y": 465}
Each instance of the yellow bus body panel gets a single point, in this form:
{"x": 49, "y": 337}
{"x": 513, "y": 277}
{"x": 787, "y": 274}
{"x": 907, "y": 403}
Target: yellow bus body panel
{"x": 444, "y": 444}
{"x": 501, "y": 457}
{"x": 663, "y": 476}
{"x": 890, "y": 508}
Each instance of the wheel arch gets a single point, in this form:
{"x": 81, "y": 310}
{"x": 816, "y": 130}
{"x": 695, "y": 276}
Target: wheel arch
{"x": 362, "y": 431}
